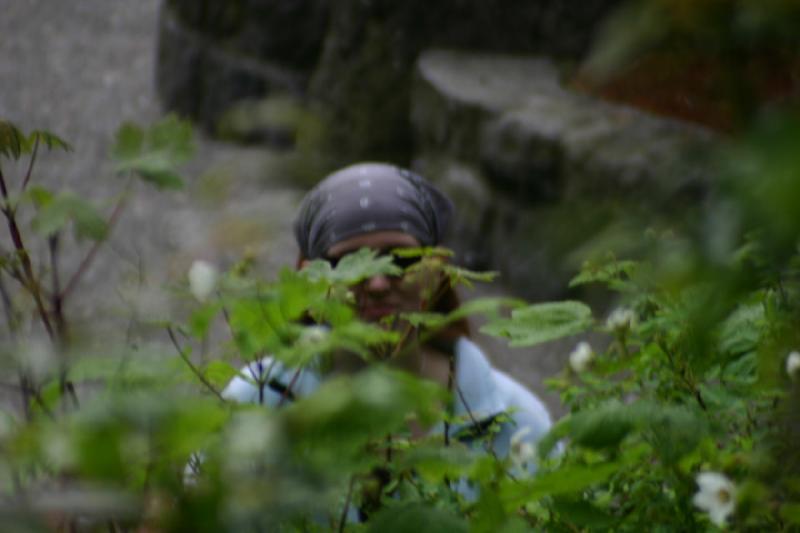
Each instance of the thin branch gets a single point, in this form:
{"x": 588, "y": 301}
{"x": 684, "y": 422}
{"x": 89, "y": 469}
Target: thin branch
{"x": 31, "y": 162}
{"x": 8, "y": 307}
{"x": 87, "y": 261}
{"x": 191, "y": 366}
{"x": 56, "y": 301}
{"x": 16, "y": 237}
{"x": 288, "y": 390}
{"x": 343, "y": 517}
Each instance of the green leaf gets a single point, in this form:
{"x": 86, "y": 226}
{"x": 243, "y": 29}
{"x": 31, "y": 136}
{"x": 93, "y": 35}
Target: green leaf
{"x": 463, "y": 276}
{"x": 56, "y": 211}
{"x": 12, "y": 140}
{"x": 541, "y": 323}
{"x": 417, "y": 518}
{"x": 566, "y": 480}
{"x": 478, "y": 306}
{"x": 609, "y": 271}
{"x": 219, "y": 373}
{"x": 39, "y": 195}
{"x": 202, "y": 318}
{"x": 50, "y": 140}
{"x": 673, "y": 430}
{"x": 348, "y": 411}
{"x": 353, "y": 268}
{"x": 741, "y": 331}
{"x": 582, "y": 513}
{"x": 155, "y": 153}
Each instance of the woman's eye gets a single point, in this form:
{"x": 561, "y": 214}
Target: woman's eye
{"x": 405, "y": 262}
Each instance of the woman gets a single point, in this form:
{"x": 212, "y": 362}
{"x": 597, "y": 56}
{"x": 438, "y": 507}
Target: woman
{"x": 383, "y": 207}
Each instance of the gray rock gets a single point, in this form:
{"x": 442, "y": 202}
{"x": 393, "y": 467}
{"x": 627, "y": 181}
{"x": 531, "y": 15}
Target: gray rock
{"x": 556, "y": 163}
{"x": 457, "y": 93}
{"x": 364, "y": 75}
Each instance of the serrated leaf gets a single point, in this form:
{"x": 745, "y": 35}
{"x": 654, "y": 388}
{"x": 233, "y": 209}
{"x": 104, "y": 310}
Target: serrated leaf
{"x": 50, "y": 140}
{"x": 353, "y": 268}
{"x": 12, "y": 140}
{"x": 741, "y": 331}
{"x": 606, "y": 272}
{"x": 57, "y": 210}
{"x": 155, "y": 153}
{"x": 488, "y": 307}
{"x": 543, "y": 322}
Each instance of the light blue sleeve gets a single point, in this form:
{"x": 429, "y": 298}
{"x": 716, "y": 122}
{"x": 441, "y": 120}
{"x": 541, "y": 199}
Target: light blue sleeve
{"x": 530, "y": 418}
{"x": 244, "y": 388}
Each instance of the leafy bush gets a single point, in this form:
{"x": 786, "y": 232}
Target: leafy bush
{"x": 683, "y": 421}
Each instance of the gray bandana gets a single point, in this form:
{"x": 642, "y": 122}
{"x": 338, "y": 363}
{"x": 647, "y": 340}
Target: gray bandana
{"x": 369, "y": 197}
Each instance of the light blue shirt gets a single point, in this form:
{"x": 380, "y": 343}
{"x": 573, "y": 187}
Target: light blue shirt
{"x": 483, "y": 393}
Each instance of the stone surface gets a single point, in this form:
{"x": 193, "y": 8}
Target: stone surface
{"x": 555, "y": 163}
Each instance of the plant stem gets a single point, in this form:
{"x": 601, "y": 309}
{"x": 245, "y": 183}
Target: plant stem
{"x": 191, "y": 366}
{"x": 8, "y": 307}
{"x": 343, "y": 517}
{"x": 56, "y": 300}
{"x": 30, "y": 163}
{"x": 31, "y": 283}
{"x": 87, "y": 260}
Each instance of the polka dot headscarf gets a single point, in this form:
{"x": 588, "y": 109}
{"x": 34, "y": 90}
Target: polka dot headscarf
{"x": 369, "y": 197}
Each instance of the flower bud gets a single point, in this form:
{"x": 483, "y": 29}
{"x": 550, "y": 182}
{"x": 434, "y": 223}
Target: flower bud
{"x": 620, "y": 319}
{"x": 793, "y": 364}
{"x": 581, "y": 356}
{"x": 202, "y": 279}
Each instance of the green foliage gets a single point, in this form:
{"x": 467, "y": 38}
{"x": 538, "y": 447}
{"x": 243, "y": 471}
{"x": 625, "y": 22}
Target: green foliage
{"x": 153, "y": 154}
{"x": 56, "y": 210}
{"x": 540, "y": 323}
{"x": 694, "y": 377}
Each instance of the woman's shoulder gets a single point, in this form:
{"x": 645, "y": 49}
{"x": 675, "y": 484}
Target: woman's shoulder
{"x": 270, "y": 382}
{"x": 508, "y": 393}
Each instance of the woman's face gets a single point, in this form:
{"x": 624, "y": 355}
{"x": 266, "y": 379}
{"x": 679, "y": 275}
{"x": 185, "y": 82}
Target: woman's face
{"x": 382, "y": 296}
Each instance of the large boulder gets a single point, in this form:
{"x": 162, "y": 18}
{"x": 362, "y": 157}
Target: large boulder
{"x": 553, "y": 165}
{"x": 363, "y": 77}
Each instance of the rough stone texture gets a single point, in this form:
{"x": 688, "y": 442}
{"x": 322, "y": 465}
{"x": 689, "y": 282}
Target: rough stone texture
{"x": 213, "y": 54}
{"x": 216, "y": 52}
{"x": 554, "y": 162}
{"x": 364, "y": 74}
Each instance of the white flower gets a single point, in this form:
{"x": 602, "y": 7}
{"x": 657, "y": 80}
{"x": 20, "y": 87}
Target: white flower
{"x": 620, "y": 319}
{"x": 581, "y": 356}
{"x": 716, "y": 496}
{"x": 793, "y": 364}
{"x": 521, "y": 452}
{"x": 202, "y": 279}
{"x": 313, "y": 335}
